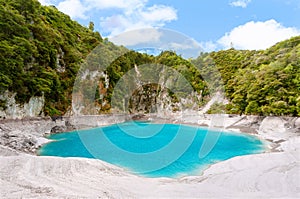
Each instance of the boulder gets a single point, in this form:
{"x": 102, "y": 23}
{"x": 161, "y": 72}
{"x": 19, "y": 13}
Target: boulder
{"x": 58, "y": 129}
{"x": 272, "y": 124}
{"x": 297, "y": 123}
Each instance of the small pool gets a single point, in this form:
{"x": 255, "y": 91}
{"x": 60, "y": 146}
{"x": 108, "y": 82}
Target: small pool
{"x": 154, "y": 150}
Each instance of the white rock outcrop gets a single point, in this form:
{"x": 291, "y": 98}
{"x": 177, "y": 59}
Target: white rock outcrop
{"x": 13, "y": 110}
{"x": 279, "y": 128}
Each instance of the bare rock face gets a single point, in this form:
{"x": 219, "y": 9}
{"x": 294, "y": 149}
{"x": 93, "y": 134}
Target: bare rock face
{"x": 63, "y": 128}
{"x": 25, "y": 135}
{"x": 58, "y": 129}
{"x": 14, "y": 110}
{"x": 273, "y": 128}
{"x": 297, "y": 124}
{"x": 271, "y": 124}
{"x": 18, "y": 142}
{"x": 6, "y": 151}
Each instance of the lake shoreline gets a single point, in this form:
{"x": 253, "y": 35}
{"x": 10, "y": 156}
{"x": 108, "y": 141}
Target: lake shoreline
{"x": 164, "y": 135}
{"x": 20, "y": 140}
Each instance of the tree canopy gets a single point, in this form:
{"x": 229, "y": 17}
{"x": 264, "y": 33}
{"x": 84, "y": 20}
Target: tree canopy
{"x": 40, "y": 52}
{"x": 261, "y": 82}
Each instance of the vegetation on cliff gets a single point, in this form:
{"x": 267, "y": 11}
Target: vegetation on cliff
{"x": 263, "y": 82}
{"x": 40, "y": 52}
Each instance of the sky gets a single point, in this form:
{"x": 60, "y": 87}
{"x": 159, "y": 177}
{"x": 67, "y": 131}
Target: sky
{"x": 212, "y": 24}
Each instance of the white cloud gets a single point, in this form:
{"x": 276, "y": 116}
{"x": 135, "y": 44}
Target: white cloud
{"x": 73, "y": 8}
{"x": 240, "y": 3}
{"x": 159, "y": 13}
{"x": 158, "y": 39}
{"x": 136, "y": 37}
{"x": 179, "y": 46}
{"x": 257, "y": 35}
{"x": 129, "y": 15}
{"x": 208, "y": 46}
{"x": 187, "y": 44}
{"x": 46, "y": 2}
{"x": 111, "y": 4}
{"x": 140, "y": 17}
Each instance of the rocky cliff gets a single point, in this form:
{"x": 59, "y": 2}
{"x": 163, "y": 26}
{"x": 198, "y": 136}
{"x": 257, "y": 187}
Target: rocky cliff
{"x": 13, "y": 110}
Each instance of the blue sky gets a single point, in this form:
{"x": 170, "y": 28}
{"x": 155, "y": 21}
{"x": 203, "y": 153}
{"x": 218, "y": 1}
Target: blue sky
{"x": 214, "y": 24}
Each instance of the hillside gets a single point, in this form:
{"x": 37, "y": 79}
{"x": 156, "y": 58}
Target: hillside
{"x": 127, "y": 81}
{"x": 259, "y": 82}
{"x": 42, "y": 51}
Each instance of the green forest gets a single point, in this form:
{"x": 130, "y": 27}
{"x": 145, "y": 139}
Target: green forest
{"x": 40, "y": 52}
{"x": 42, "y": 49}
{"x": 263, "y": 82}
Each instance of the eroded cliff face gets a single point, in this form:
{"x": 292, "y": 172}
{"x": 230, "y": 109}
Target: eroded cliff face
{"x": 149, "y": 89}
{"x": 144, "y": 89}
{"x": 154, "y": 98}
{"x": 12, "y": 110}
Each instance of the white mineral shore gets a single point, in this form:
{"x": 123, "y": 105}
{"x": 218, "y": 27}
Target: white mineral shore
{"x": 274, "y": 174}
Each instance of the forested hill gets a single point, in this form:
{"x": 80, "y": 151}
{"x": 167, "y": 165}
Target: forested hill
{"x": 263, "y": 82}
{"x": 40, "y": 52}
{"x": 42, "y": 49}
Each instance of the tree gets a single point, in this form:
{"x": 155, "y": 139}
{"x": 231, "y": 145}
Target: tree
{"x": 91, "y": 26}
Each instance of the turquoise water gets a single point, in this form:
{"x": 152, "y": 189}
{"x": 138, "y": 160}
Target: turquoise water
{"x": 153, "y": 150}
